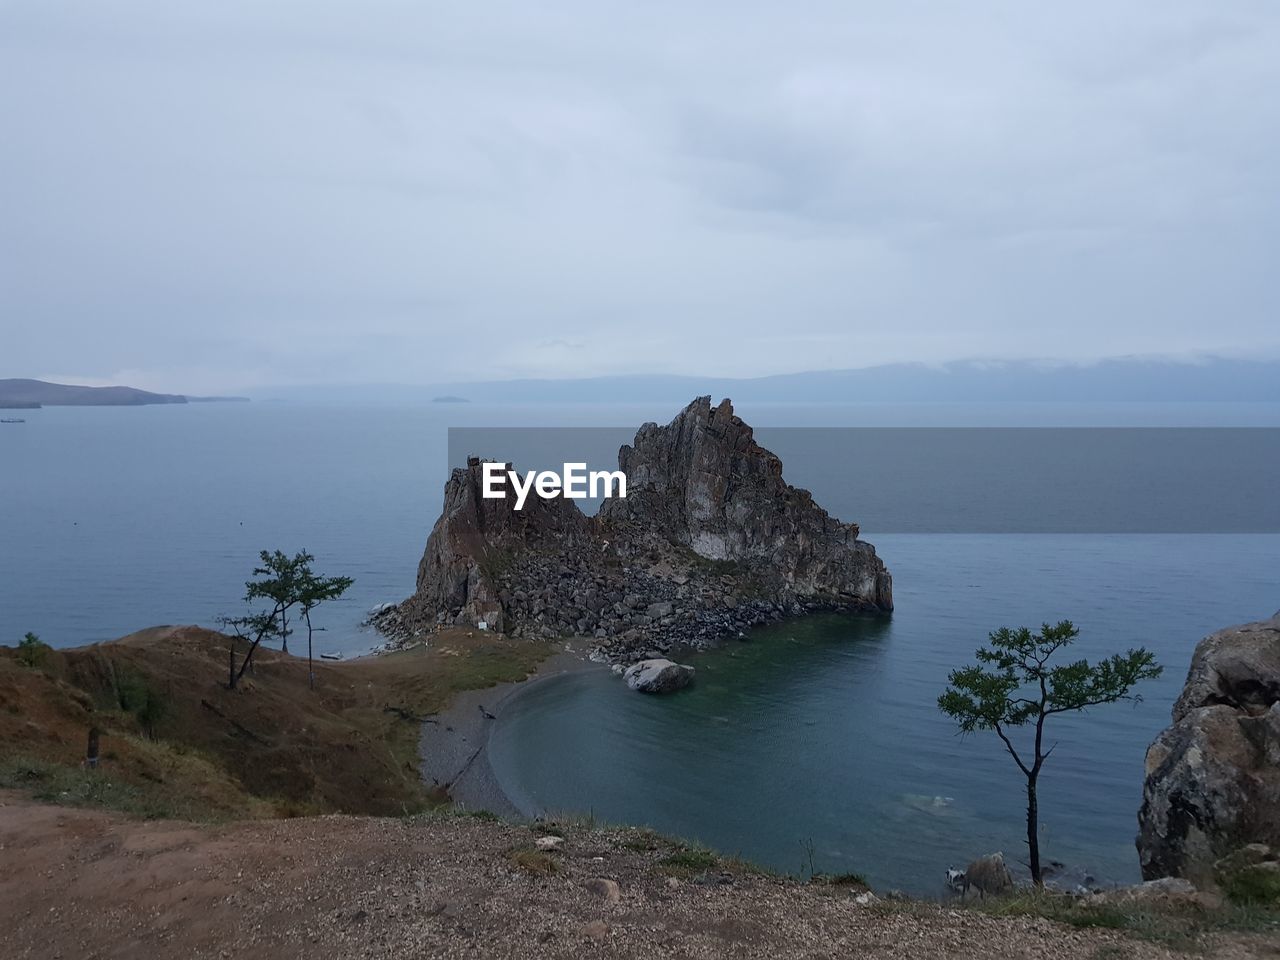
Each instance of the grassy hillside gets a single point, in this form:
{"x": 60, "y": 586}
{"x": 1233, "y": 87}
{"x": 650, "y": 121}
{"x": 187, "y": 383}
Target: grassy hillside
{"x": 176, "y": 742}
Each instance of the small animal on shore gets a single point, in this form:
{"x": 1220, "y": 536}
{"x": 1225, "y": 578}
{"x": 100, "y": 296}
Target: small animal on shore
{"x": 955, "y": 879}
{"x": 486, "y": 713}
{"x": 987, "y": 875}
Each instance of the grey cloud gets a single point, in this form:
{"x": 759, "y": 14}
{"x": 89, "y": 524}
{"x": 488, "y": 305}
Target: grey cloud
{"x": 210, "y": 196}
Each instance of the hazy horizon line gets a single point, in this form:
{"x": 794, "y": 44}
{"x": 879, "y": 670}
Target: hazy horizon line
{"x": 971, "y": 363}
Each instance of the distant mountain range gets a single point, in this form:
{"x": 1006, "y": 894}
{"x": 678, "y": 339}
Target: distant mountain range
{"x": 31, "y": 394}
{"x": 1119, "y": 379}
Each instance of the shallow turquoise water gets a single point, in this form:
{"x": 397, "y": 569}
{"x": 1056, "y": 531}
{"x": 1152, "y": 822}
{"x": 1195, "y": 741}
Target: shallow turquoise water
{"x": 822, "y": 734}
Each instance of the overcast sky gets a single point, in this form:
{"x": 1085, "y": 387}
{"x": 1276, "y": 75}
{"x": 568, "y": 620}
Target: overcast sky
{"x": 205, "y": 197}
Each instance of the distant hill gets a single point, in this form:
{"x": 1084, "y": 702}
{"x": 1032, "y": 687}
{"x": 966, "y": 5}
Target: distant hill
{"x": 29, "y": 394}
{"x": 1121, "y": 379}
{"x": 997, "y": 381}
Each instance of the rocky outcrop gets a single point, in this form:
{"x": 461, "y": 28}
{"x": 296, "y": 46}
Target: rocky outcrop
{"x": 1213, "y": 777}
{"x": 702, "y": 482}
{"x": 658, "y": 676}
{"x": 709, "y": 541}
{"x": 475, "y": 538}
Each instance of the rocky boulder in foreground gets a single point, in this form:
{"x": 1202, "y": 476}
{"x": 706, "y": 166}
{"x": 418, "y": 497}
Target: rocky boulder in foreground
{"x": 709, "y": 542}
{"x": 1213, "y": 777}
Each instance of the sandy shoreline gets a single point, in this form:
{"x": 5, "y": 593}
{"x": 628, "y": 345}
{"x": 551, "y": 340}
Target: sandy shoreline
{"x": 453, "y": 746}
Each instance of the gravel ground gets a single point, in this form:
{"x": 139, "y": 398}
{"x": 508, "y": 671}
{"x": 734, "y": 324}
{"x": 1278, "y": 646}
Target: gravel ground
{"x": 81, "y": 883}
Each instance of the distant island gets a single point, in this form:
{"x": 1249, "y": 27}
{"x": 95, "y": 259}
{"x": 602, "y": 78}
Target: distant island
{"x": 449, "y": 399}
{"x": 18, "y": 394}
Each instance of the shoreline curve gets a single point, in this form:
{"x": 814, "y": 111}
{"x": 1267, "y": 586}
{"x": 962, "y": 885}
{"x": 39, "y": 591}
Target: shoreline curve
{"x": 453, "y": 746}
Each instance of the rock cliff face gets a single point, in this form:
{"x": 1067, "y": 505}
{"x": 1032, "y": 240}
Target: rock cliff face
{"x": 473, "y": 539}
{"x": 1213, "y": 777}
{"x": 709, "y": 541}
{"x": 702, "y": 482}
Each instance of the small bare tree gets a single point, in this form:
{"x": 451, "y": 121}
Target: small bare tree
{"x": 1012, "y": 685}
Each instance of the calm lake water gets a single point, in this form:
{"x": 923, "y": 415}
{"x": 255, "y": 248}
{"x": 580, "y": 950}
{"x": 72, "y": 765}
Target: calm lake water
{"x": 825, "y": 731}
{"x": 817, "y": 736}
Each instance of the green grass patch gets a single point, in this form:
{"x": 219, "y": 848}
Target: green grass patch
{"x": 687, "y": 861}
{"x": 1178, "y": 925}
{"x": 1253, "y": 886}
{"x": 561, "y": 823}
{"x": 841, "y": 880}
{"x": 641, "y": 841}
{"x": 488, "y": 816}
{"x": 191, "y": 797}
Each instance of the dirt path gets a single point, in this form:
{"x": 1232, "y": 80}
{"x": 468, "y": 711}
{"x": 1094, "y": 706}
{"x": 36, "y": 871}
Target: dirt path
{"x": 85, "y": 884}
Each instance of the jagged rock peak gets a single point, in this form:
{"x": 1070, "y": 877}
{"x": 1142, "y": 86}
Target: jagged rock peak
{"x": 703, "y": 482}
{"x": 474, "y": 536}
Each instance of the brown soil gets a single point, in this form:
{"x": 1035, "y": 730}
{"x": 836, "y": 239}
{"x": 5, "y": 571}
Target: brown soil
{"x": 271, "y": 746}
{"x": 85, "y": 883}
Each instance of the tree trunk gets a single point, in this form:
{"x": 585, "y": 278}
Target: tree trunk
{"x": 247, "y": 663}
{"x": 1033, "y": 831}
{"x": 231, "y": 666}
{"x": 311, "y": 670}
{"x": 91, "y": 751}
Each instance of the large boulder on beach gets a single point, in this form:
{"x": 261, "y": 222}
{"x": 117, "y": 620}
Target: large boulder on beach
{"x": 658, "y": 676}
{"x": 1213, "y": 777}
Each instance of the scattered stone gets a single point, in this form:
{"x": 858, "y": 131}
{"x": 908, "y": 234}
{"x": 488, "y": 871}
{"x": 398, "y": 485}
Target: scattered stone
{"x": 1170, "y": 890}
{"x": 660, "y": 609}
{"x": 549, "y": 842}
{"x": 607, "y": 890}
{"x": 1161, "y": 887}
{"x": 709, "y": 879}
{"x": 596, "y": 930}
